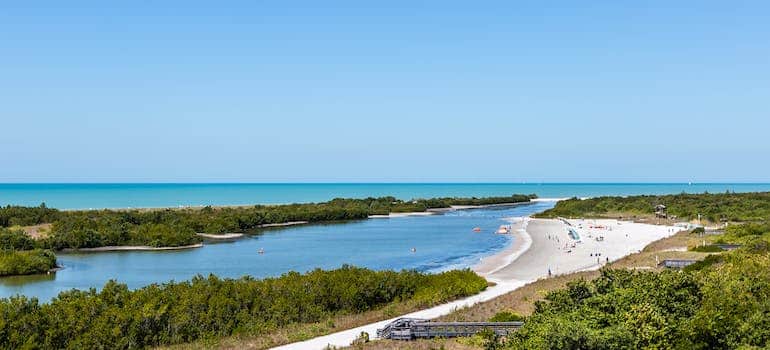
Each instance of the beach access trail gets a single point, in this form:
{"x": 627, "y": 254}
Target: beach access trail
{"x": 537, "y": 246}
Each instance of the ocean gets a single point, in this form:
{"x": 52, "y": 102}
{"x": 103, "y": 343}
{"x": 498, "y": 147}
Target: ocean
{"x": 85, "y": 196}
{"x": 441, "y": 242}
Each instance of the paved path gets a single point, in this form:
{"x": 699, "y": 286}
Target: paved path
{"x": 344, "y": 338}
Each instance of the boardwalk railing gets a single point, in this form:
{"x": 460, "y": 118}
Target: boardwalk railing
{"x": 413, "y": 328}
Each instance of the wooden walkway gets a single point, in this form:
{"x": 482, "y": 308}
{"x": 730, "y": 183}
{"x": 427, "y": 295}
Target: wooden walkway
{"x": 414, "y": 328}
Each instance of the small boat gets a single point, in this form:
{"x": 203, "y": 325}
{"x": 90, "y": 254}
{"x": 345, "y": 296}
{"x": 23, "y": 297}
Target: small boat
{"x": 414, "y": 250}
{"x": 503, "y": 230}
{"x": 477, "y": 229}
{"x": 261, "y": 251}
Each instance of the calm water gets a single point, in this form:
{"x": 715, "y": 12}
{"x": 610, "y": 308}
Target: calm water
{"x": 442, "y": 242}
{"x": 83, "y": 196}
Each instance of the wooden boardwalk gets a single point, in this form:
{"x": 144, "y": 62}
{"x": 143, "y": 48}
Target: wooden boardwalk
{"x": 414, "y": 328}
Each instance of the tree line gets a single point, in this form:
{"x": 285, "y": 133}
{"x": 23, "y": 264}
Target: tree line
{"x": 178, "y": 227}
{"x": 723, "y": 303}
{"x": 718, "y": 207}
{"x": 21, "y": 255}
{"x": 206, "y": 307}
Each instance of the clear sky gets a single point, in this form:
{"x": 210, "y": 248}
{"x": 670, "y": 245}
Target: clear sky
{"x": 384, "y": 91}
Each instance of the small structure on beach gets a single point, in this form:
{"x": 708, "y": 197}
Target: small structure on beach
{"x": 676, "y": 263}
{"x": 660, "y": 211}
{"x": 573, "y": 234}
{"x": 415, "y": 328}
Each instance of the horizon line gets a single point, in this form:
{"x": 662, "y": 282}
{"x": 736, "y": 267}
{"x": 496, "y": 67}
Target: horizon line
{"x": 721, "y": 182}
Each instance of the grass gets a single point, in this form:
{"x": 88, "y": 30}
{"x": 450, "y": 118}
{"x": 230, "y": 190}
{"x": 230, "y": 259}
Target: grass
{"x": 300, "y": 332}
{"x": 520, "y": 301}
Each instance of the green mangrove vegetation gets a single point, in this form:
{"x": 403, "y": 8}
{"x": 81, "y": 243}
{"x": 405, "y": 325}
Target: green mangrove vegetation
{"x": 20, "y": 254}
{"x": 78, "y": 229}
{"x": 26, "y": 262}
{"x": 210, "y": 307}
{"x": 719, "y": 207}
{"x": 14, "y": 215}
{"x": 178, "y": 227}
{"x": 721, "y": 303}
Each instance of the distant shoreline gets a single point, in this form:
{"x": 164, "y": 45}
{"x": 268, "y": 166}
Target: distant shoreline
{"x": 523, "y": 263}
{"x": 129, "y": 248}
{"x": 201, "y": 206}
{"x": 435, "y": 211}
{"x": 235, "y": 236}
{"x": 222, "y": 236}
{"x": 115, "y": 196}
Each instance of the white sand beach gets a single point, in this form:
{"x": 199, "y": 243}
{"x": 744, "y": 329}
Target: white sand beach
{"x": 600, "y": 241}
{"x": 283, "y": 224}
{"x": 130, "y": 248}
{"x": 344, "y": 338}
{"x": 537, "y": 246}
{"x": 222, "y": 236}
{"x": 401, "y": 215}
{"x": 434, "y": 211}
{"x": 520, "y": 243}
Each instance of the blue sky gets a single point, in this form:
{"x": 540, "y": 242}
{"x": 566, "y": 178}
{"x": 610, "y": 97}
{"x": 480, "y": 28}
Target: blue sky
{"x": 384, "y": 91}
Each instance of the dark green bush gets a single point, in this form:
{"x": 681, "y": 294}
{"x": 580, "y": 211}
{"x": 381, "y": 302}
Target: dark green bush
{"x": 719, "y": 303}
{"x": 15, "y": 240}
{"x": 745, "y": 207}
{"x": 177, "y": 227}
{"x": 26, "y": 262}
{"x": 176, "y": 312}
{"x": 507, "y": 316}
{"x": 12, "y": 215}
{"x": 710, "y": 248}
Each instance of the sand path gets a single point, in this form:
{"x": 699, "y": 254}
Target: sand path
{"x": 538, "y": 244}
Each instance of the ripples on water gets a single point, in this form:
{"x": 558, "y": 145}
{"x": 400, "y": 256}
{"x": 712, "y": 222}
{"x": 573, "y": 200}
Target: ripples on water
{"x": 441, "y": 241}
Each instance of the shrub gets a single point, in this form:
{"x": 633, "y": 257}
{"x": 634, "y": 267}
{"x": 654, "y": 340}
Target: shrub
{"x": 707, "y": 249}
{"x": 176, "y": 312}
{"x": 26, "y": 262}
{"x": 506, "y": 316}
{"x": 15, "y": 240}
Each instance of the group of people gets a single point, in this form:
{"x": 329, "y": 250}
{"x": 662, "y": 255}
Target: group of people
{"x": 598, "y": 260}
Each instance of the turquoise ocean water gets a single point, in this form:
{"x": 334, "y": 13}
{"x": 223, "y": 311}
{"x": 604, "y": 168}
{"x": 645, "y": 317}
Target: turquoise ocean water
{"x": 441, "y": 241}
{"x": 83, "y": 196}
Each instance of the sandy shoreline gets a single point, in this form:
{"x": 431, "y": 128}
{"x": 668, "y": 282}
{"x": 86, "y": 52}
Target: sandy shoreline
{"x": 223, "y": 236}
{"x": 344, "y": 338}
{"x": 519, "y": 243}
{"x": 201, "y": 206}
{"x": 282, "y": 224}
{"x": 601, "y": 241}
{"x": 130, "y": 248}
{"x": 435, "y": 211}
{"x": 538, "y": 245}
{"x": 401, "y": 215}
